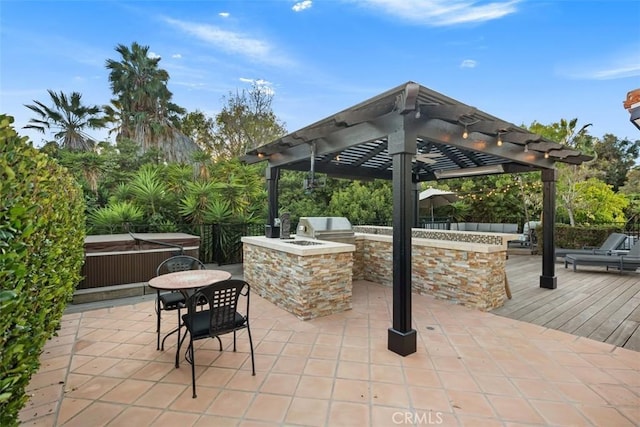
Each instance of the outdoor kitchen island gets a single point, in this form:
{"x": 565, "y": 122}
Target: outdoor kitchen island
{"x": 309, "y": 278}
{"x": 312, "y": 278}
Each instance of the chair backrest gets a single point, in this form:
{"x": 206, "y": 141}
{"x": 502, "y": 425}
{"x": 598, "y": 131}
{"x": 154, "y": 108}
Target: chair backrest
{"x": 614, "y": 241}
{"x": 222, "y": 298}
{"x": 179, "y": 263}
{"x": 634, "y": 252}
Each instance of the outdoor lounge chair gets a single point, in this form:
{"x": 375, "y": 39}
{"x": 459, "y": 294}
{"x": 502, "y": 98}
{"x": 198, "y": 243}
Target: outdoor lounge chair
{"x": 627, "y": 262}
{"x": 612, "y": 243}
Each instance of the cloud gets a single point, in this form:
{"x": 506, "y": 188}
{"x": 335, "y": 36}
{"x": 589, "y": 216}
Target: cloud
{"x": 443, "y": 12}
{"x": 300, "y": 6}
{"x": 468, "y": 63}
{"x": 235, "y": 43}
{"x": 264, "y": 85}
{"x": 224, "y": 14}
{"x": 153, "y": 55}
{"x": 619, "y": 65}
{"x": 176, "y": 56}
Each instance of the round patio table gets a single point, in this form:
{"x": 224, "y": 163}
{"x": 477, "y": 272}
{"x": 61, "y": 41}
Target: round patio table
{"x": 187, "y": 282}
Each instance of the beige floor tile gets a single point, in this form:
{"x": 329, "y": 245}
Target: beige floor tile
{"x": 515, "y": 409}
{"x": 289, "y": 365}
{"x": 353, "y": 370}
{"x": 389, "y": 394}
{"x": 314, "y": 387}
{"x": 429, "y": 399}
{"x": 559, "y": 413}
{"x": 346, "y": 414}
{"x": 458, "y": 381}
{"x": 97, "y": 414}
{"x": 307, "y": 412}
{"x": 351, "y": 390}
{"x": 161, "y": 395}
{"x": 607, "y": 416}
{"x": 128, "y": 391}
{"x": 94, "y": 387}
{"x": 386, "y": 373}
{"x": 70, "y": 407}
{"x": 320, "y": 367}
{"x": 173, "y": 419}
{"x": 186, "y": 403}
{"x": 125, "y": 368}
{"x": 496, "y": 385}
{"x": 277, "y": 383}
{"x": 296, "y": 350}
{"x": 325, "y": 352}
{"x": 269, "y": 407}
{"x": 231, "y": 403}
{"x": 136, "y": 416}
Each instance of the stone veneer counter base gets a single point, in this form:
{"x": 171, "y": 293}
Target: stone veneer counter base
{"x": 308, "y": 278}
{"x": 461, "y": 270}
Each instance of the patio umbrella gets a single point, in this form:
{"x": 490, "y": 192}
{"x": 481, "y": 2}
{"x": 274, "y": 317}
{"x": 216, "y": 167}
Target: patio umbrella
{"x": 433, "y": 197}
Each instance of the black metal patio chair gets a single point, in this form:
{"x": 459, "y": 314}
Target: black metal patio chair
{"x": 224, "y": 315}
{"x": 173, "y": 301}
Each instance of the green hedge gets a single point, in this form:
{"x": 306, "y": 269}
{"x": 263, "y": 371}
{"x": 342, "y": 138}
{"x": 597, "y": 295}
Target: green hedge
{"x": 41, "y": 253}
{"x": 581, "y": 236}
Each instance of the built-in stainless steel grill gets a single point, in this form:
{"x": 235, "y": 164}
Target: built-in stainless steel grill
{"x": 332, "y": 228}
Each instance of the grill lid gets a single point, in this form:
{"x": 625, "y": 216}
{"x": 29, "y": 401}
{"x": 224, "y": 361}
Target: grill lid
{"x": 320, "y": 226}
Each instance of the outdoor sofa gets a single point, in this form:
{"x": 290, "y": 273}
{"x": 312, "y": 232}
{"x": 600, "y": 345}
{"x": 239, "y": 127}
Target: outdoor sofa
{"x": 485, "y": 227}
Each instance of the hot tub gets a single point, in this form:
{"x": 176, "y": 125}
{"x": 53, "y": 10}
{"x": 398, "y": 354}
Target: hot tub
{"x": 119, "y": 259}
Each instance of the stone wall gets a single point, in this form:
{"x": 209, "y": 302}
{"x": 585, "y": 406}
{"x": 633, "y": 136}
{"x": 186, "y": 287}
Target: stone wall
{"x": 471, "y": 278}
{"x": 307, "y": 286}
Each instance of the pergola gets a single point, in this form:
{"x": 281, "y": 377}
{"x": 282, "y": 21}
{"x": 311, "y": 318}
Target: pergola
{"x": 411, "y": 134}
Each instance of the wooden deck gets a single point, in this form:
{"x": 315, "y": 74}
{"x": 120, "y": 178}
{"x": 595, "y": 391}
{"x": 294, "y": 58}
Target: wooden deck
{"x": 591, "y": 302}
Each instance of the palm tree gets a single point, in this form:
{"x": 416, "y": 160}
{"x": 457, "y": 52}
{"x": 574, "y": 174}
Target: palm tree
{"x": 68, "y": 118}
{"x": 140, "y": 86}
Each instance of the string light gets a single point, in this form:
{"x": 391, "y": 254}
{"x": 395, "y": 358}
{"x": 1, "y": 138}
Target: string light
{"x": 499, "y": 142}
{"x": 526, "y": 148}
{"x": 546, "y": 154}
{"x": 465, "y": 134}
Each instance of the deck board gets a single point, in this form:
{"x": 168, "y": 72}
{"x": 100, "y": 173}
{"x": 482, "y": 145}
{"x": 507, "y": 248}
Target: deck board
{"x": 591, "y": 302}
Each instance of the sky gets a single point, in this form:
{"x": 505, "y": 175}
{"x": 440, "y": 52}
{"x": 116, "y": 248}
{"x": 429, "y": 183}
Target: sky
{"x": 519, "y": 60}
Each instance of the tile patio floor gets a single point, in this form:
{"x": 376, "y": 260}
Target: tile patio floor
{"x": 471, "y": 369}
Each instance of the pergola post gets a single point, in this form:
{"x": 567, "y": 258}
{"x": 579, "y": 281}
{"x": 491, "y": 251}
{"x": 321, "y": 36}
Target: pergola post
{"x": 416, "y": 204}
{"x": 548, "y": 279}
{"x": 272, "y": 175}
{"x": 402, "y": 148}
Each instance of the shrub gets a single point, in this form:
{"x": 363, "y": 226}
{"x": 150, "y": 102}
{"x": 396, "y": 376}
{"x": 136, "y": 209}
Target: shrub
{"x": 41, "y": 253}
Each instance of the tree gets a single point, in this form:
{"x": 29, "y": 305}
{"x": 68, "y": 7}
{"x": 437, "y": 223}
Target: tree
{"x": 246, "y": 121}
{"x": 68, "y": 118}
{"x": 364, "y": 203}
{"x": 615, "y": 158}
{"x": 632, "y": 190}
{"x": 598, "y": 203}
{"x": 146, "y": 112}
{"x": 200, "y": 128}
{"x": 565, "y": 133}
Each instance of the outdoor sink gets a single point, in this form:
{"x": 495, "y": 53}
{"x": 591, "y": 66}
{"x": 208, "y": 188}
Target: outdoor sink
{"x": 302, "y": 242}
